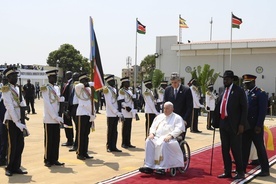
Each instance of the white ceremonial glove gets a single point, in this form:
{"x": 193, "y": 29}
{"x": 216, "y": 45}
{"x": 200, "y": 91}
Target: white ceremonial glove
{"x": 91, "y": 83}
{"x": 134, "y": 112}
{"x": 134, "y": 96}
{"x": 61, "y": 99}
{"x": 202, "y": 106}
{"x": 119, "y": 114}
{"x": 59, "y": 119}
{"x": 92, "y": 118}
{"x": 20, "y": 126}
{"x": 23, "y": 104}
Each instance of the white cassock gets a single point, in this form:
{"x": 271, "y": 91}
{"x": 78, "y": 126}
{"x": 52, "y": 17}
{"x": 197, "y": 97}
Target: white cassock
{"x": 160, "y": 154}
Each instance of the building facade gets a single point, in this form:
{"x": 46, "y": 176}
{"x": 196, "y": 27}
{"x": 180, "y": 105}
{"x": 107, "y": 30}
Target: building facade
{"x": 257, "y": 57}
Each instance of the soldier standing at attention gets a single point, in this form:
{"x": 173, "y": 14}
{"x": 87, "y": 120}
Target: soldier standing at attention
{"x": 127, "y": 104}
{"x": 13, "y": 123}
{"x": 210, "y": 100}
{"x": 112, "y": 112}
{"x": 197, "y": 106}
{"x": 85, "y": 115}
{"x": 161, "y": 92}
{"x": 51, "y": 98}
{"x": 150, "y": 110}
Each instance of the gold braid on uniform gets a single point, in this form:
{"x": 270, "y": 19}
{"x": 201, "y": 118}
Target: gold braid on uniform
{"x": 148, "y": 93}
{"x": 82, "y": 96}
{"x": 123, "y": 92}
{"x": 53, "y": 98}
{"x": 15, "y": 96}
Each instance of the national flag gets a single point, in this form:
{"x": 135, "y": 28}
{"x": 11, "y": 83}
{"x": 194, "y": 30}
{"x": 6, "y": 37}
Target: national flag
{"x": 182, "y": 23}
{"x": 236, "y": 21}
{"x": 269, "y": 143}
{"x": 96, "y": 59}
{"x": 140, "y": 27}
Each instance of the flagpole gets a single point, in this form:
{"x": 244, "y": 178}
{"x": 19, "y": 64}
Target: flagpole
{"x": 135, "y": 67}
{"x": 92, "y": 58}
{"x": 211, "y": 28}
{"x": 230, "y": 59}
{"x": 179, "y": 41}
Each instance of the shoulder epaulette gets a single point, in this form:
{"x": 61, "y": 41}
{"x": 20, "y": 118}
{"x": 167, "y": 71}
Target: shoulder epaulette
{"x": 122, "y": 91}
{"x": 208, "y": 93}
{"x": 147, "y": 92}
{"x": 105, "y": 90}
{"x": 43, "y": 88}
{"x": 5, "y": 88}
{"x": 76, "y": 82}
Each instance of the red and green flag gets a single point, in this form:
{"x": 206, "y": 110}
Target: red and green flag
{"x": 140, "y": 27}
{"x": 236, "y": 21}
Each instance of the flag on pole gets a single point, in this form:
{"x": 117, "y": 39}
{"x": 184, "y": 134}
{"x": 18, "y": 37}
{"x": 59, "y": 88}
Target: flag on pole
{"x": 182, "y": 23}
{"x": 96, "y": 59}
{"x": 140, "y": 27}
{"x": 236, "y": 21}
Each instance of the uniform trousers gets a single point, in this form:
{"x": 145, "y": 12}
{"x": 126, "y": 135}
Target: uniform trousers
{"x": 209, "y": 118}
{"x": 3, "y": 142}
{"x": 230, "y": 140}
{"x": 51, "y": 142}
{"x": 126, "y": 131}
{"x": 75, "y": 119}
{"x": 258, "y": 140}
{"x": 83, "y": 135}
{"x": 112, "y": 133}
{"x": 149, "y": 119}
{"x": 15, "y": 146}
{"x": 30, "y": 101}
{"x": 69, "y": 133}
{"x": 194, "y": 126}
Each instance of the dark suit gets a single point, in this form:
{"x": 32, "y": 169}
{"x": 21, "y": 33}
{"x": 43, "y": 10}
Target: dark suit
{"x": 257, "y": 103}
{"x": 236, "y": 115}
{"x": 183, "y": 104}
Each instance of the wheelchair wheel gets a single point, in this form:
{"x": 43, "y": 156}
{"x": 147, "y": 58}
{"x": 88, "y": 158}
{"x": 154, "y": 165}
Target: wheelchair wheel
{"x": 185, "y": 148}
{"x": 173, "y": 171}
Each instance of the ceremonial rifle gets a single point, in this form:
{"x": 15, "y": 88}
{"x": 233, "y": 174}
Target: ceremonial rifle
{"x": 119, "y": 102}
{"x": 23, "y": 109}
{"x": 135, "y": 103}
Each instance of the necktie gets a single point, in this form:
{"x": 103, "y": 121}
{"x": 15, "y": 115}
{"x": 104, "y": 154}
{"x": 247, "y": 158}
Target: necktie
{"x": 175, "y": 93}
{"x": 223, "y": 107}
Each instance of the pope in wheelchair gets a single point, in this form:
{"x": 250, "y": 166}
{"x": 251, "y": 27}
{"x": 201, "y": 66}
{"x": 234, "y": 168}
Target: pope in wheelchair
{"x": 162, "y": 150}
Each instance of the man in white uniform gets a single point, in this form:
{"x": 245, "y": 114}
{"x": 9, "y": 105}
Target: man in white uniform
{"x": 210, "y": 100}
{"x": 162, "y": 151}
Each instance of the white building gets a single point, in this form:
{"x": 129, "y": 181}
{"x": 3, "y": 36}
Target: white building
{"x": 257, "y": 57}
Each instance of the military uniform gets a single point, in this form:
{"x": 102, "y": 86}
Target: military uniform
{"x": 150, "y": 110}
{"x": 86, "y": 118}
{"x": 197, "y": 106}
{"x": 14, "y": 125}
{"x": 210, "y": 100}
{"x": 112, "y": 113}
{"x": 51, "y": 120}
{"x": 73, "y": 103}
{"x": 126, "y": 98}
{"x": 257, "y": 104}
{"x": 161, "y": 91}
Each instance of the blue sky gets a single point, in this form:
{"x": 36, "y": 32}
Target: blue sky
{"x": 31, "y": 29}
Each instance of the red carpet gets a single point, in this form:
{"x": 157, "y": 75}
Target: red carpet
{"x": 198, "y": 172}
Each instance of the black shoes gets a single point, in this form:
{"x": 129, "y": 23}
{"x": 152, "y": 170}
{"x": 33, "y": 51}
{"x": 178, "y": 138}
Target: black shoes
{"x": 124, "y": 146}
{"x": 146, "y": 170}
{"x": 254, "y": 162}
{"x": 67, "y": 144}
{"x": 128, "y": 146}
{"x": 8, "y": 173}
{"x": 20, "y": 171}
{"x": 210, "y": 128}
{"x": 238, "y": 176}
{"x": 80, "y": 157}
{"x": 131, "y": 146}
{"x": 225, "y": 175}
{"x": 113, "y": 150}
{"x": 48, "y": 164}
{"x": 73, "y": 149}
{"x": 88, "y": 156}
{"x": 58, "y": 163}
{"x": 263, "y": 174}
{"x": 196, "y": 131}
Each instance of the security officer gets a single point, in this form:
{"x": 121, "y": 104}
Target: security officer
{"x": 257, "y": 104}
{"x": 210, "y": 100}
{"x": 85, "y": 115}
{"x": 13, "y": 123}
{"x": 197, "y": 105}
{"x": 161, "y": 92}
{"x": 126, "y": 98}
{"x": 112, "y": 112}
{"x": 150, "y": 110}
{"x": 73, "y": 105}
{"x": 51, "y": 119}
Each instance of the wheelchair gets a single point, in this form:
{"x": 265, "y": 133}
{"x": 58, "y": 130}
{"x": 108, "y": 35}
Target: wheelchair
{"x": 185, "y": 148}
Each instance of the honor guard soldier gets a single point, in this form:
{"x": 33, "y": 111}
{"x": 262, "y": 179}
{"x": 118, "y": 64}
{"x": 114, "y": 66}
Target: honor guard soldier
{"x": 197, "y": 106}
{"x": 161, "y": 92}
{"x": 210, "y": 100}
{"x": 73, "y": 105}
{"x": 126, "y": 98}
{"x": 112, "y": 112}
{"x": 11, "y": 95}
{"x": 150, "y": 110}
{"x": 257, "y": 104}
{"x": 85, "y": 115}
{"x": 51, "y": 119}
